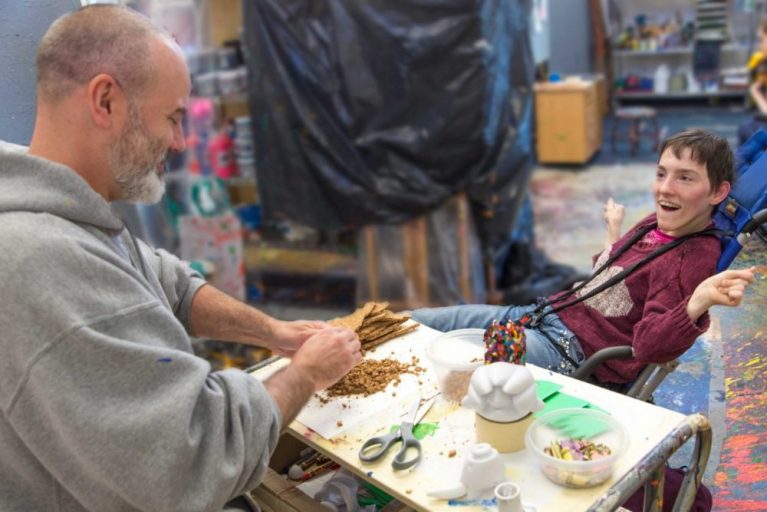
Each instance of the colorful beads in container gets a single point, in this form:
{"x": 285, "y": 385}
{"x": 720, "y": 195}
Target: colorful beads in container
{"x": 577, "y": 449}
{"x": 505, "y": 343}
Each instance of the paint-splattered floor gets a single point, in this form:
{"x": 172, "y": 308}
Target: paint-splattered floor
{"x": 723, "y": 375}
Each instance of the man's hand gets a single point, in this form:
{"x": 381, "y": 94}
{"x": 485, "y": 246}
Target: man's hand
{"x": 614, "y": 213}
{"x": 328, "y": 355}
{"x": 322, "y": 359}
{"x": 723, "y": 289}
{"x": 288, "y": 337}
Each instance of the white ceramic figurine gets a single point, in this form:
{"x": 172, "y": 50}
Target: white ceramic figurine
{"x": 502, "y": 392}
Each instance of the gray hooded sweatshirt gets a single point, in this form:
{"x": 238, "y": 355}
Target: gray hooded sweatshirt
{"x": 103, "y": 406}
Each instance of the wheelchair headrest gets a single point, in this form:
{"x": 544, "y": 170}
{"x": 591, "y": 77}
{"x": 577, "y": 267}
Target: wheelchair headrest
{"x": 745, "y": 207}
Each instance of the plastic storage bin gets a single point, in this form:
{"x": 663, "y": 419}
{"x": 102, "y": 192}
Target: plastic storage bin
{"x": 570, "y": 424}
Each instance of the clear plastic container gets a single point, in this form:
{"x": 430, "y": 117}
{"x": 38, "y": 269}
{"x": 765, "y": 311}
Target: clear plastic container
{"x": 567, "y": 424}
{"x": 455, "y": 355}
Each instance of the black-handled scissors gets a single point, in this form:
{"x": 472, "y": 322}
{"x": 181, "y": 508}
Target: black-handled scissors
{"x": 375, "y": 447}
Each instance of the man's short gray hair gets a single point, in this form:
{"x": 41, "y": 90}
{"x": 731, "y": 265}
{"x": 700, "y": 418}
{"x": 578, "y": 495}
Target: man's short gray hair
{"x": 95, "y": 39}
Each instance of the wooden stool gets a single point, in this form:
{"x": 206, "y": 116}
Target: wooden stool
{"x": 635, "y": 116}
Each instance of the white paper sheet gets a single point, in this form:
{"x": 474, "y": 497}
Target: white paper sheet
{"x": 344, "y": 413}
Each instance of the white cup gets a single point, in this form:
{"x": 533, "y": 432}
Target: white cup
{"x": 483, "y": 470}
{"x": 508, "y": 497}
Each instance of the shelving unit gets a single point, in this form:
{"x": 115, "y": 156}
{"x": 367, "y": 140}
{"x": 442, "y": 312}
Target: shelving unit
{"x": 685, "y": 50}
{"x": 644, "y": 63}
{"x": 670, "y": 96}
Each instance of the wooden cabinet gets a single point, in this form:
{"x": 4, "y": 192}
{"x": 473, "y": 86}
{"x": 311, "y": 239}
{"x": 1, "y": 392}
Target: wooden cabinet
{"x": 568, "y": 121}
{"x": 222, "y": 21}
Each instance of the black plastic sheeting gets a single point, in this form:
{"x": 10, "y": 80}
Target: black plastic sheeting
{"x": 376, "y": 111}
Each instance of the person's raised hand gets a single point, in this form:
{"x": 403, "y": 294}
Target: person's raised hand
{"x": 328, "y": 355}
{"x": 723, "y": 289}
{"x": 613, "y": 215}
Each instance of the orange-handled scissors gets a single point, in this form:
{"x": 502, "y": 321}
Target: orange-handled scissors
{"x": 375, "y": 447}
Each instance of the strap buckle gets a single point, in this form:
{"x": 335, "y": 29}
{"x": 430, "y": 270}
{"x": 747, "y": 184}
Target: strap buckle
{"x": 532, "y": 319}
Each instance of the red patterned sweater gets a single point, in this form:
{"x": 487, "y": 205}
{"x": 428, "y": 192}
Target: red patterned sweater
{"x": 648, "y": 309}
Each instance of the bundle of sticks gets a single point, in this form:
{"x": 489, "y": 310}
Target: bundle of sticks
{"x": 375, "y": 324}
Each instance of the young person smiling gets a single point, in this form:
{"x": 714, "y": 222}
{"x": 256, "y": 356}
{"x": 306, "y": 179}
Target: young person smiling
{"x": 659, "y": 308}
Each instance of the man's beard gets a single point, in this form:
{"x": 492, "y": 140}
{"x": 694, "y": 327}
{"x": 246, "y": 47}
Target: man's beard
{"x": 134, "y": 160}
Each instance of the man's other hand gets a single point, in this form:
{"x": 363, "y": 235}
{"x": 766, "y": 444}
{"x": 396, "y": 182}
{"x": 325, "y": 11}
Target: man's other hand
{"x": 288, "y": 337}
{"x": 328, "y": 355}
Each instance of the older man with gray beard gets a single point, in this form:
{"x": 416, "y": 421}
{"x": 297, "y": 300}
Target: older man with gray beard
{"x": 103, "y": 405}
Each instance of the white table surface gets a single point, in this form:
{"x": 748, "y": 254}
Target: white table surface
{"x": 647, "y": 425}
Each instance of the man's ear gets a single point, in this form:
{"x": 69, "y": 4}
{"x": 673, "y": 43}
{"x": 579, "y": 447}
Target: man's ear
{"x": 103, "y": 96}
{"x": 720, "y": 193}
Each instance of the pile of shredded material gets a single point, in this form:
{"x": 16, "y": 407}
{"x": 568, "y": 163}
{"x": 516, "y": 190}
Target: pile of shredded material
{"x": 371, "y": 376}
{"x": 374, "y": 325}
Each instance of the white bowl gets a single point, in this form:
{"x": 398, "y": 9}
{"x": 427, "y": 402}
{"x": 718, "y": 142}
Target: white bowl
{"x": 567, "y": 424}
{"x": 454, "y": 356}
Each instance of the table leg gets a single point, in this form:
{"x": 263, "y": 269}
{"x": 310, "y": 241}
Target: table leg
{"x": 653, "y": 465}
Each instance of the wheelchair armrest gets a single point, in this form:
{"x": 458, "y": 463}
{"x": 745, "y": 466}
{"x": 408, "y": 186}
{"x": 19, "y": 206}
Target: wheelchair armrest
{"x": 585, "y": 370}
{"x": 758, "y": 219}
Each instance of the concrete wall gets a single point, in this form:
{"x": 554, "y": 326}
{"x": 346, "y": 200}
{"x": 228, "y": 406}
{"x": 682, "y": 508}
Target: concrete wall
{"x": 539, "y": 36}
{"x": 570, "y": 30}
{"x": 22, "y": 24}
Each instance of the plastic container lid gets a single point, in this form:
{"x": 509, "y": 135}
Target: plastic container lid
{"x": 459, "y": 349}
{"x": 455, "y": 355}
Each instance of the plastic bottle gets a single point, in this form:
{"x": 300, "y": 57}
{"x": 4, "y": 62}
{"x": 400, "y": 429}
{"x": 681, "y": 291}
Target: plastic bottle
{"x": 661, "y": 78}
{"x": 221, "y": 154}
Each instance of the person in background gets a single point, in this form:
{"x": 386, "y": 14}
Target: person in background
{"x": 757, "y": 90}
{"x": 103, "y": 405}
{"x": 660, "y": 308}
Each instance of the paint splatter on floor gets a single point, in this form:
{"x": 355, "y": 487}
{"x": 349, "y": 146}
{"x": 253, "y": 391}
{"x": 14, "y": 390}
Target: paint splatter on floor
{"x": 740, "y": 482}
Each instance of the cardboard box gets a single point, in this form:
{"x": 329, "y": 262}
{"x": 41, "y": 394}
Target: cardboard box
{"x": 219, "y": 240}
{"x": 280, "y": 494}
{"x": 277, "y": 493}
{"x": 232, "y": 107}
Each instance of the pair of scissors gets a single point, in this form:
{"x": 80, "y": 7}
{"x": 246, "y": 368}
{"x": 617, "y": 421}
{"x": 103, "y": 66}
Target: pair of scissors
{"x": 375, "y": 447}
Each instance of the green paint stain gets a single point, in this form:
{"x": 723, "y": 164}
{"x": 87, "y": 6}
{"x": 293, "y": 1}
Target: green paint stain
{"x": 425, "y": 429}
{"x": 421, "y": 430}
